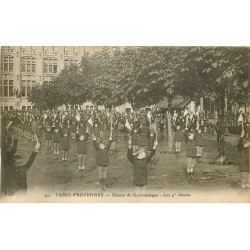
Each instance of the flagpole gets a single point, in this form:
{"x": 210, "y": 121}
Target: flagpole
{"x": 36, "y": 138}
{"x": 156, "y": 131}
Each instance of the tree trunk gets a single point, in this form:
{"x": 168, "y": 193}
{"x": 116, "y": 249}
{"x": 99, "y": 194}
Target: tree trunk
{"x": 221, "y": 128}
{"x": 170, "y": 135}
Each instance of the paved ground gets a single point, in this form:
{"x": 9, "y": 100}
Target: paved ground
{"x": 50, "y": 176}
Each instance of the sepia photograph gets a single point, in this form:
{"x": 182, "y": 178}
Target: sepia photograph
{"x": 124, "y": 124}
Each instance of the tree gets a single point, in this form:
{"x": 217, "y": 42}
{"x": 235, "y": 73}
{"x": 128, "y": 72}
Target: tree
{"x": 45, "y": 96}
{"x": 218, "y": 72}
{"x": 71, "y": 87}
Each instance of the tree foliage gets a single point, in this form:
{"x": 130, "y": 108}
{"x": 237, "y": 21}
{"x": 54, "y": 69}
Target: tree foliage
{"x": 145, "y": 75}
{"x": 217, "y": 72}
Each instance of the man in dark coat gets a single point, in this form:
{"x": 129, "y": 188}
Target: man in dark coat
{"x": 8, "y": 150}
{"x": 21, "y": 170}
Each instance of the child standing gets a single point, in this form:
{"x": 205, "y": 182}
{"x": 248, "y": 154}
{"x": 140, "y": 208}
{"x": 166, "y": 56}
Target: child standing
{"x": 65, "y": 147}
{"x": 102, "y": 160}
{"x": 56, "y": 142}
{"x": 243, "y": 148}
{"x": 178, "y": 140}
{"x": 191, "y": 155}
{"x": 82, "y": 151}
{"x": 199, "y": 145}
{"x": 39, "y": 131}
{"x": 96, "y": 129}
{"x": 101, "y": 128}
{"x": 135, "y": 139}
{"x": 82, "y": 128}
{"x": 150, "y": 148}
{"x": 139, "y": 159}
{"x": 114, "y": 138}
{"x": 48, "y": 137}
{"x": 73, "y": 129}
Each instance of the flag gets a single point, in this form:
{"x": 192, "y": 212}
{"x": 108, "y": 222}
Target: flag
{"x": 8, "y": 125}
{"x": 153, "y": 128}
{"x": 240, "y": 119}
{"x": 128, "y": 126}
{"x": 149, "y": 116}
{"x": 135, "y": 119}
{"x": 90, "y": 122}
{"x": 185, "y": 112}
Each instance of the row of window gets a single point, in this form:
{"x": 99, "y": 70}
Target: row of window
{"x": 9, "y": 108}
{"x": 66, "y": 49}
{"x": 7, "y": 88}
{"x": 28, "y": 64}
{"x": 54, "y": 48}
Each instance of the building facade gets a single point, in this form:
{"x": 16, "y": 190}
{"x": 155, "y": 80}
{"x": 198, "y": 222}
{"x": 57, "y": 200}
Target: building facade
{"x": 24, "y": 66}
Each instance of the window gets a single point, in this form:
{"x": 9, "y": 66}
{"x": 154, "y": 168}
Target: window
{"x": 8, "y": 63}
{"x": 26, "y": 87}
{"x": 7, "y": 88}
{"x": 50, "y": 65}
{"x": 47, "y": 82}
{"x": 28, "y": 64}
{"x": 70, "y": 62}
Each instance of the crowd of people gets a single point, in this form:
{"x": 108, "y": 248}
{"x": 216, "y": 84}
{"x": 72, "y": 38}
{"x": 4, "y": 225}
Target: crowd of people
{"x": 60, "y": 128}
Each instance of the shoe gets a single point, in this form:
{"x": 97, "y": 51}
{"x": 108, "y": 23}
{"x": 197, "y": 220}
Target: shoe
{"x": 104, "y": 187}
{"x": 192, "y": 176}
{"x": 243, "y": 186}
{"x": 83, "y": 174}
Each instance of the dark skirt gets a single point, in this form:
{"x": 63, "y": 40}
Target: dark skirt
{"x": 48, "y": 135}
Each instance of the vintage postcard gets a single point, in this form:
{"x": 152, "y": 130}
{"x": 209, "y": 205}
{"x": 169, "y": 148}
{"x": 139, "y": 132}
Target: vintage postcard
{"x": 124, "y": 124}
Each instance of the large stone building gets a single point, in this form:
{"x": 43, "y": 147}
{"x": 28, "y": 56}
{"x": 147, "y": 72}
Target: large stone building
{"x": 22, "y": 67}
